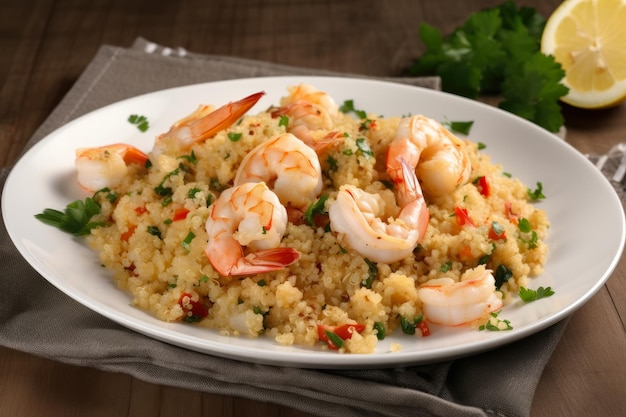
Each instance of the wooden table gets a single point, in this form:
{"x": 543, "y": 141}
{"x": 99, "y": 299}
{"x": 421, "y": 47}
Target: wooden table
{"x": 46, "y": 44}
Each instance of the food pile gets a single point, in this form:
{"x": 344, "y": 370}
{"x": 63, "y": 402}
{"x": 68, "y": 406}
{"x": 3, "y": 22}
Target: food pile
{"x": 313, "y": 223}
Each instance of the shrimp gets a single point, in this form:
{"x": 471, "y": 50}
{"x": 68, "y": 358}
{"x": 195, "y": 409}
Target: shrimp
{"x": 311, "y": 114}
{"x": 451, "y": 303}
{"x": 106, "y": 166}
{"x": 200, "y": 125}
{"x": 354, "y": 217}
{"x": 249, "y": 215}
{"x": 440, "y": 159}
{"x": 291, "y": 167}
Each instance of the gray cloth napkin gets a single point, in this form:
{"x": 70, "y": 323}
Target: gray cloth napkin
{"x": 37, "y": 318}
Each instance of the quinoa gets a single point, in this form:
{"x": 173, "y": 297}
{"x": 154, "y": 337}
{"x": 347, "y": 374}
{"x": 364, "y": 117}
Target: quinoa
{"x": 155, "y": 242}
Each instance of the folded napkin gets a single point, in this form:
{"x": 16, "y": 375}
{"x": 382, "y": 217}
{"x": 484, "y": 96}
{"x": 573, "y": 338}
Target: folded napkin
{"x": 37, "y": 318}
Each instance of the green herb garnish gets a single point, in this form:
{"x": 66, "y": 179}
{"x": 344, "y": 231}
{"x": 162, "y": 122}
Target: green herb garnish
{"x": 459, "y": 127}
{"x": 364, "y": 147}
{"x": 336, "y": 340}
{"x": 536, "y": 194}
{"x": 154, "y": 231}
{"x": 497, "y": 51}
{"x": 315, "y": 208}
{"x": 348, "y": 107}
{"x": 381, "y": 333}
{"x": 140, "y": 121}
{"x": 187, "y": 241}
{"x": 283, "y": 121}
{"x": 528, "y": 295}
{"x": 75, "y": 219}
{"x": 234, "y": 137}
{"x": 372, "y": 274}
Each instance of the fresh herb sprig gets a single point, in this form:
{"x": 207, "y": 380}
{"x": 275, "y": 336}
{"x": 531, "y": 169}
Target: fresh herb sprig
{"x": 75, "y": 219}
{"x": 497, "y": 51}
{"x": 139, "y": 120}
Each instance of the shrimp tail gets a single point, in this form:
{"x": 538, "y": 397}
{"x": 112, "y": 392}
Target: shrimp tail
{"x": 254, "y": 263}
{"x": 223, "y": 117}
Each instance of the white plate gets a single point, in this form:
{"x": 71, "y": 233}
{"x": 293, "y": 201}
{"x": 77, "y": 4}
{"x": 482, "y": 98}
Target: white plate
{"x": 585, "y": 241}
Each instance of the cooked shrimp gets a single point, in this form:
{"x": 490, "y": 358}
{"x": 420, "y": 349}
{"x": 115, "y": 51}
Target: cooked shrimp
{"x": 291, "y": 168}
{"x": 106, "y": 166}
{"x": 451, "y": 303}
{"x": 311, "y": 113}
{"x": 249, "y": 215}
{"x": 440, "y": 159}
{"x": 354, "y": 216}
{"x": 203, "y": 123}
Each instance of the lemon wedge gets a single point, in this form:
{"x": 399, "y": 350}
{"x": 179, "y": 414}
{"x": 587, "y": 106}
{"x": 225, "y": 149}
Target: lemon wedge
{"x": 588, "y": 39}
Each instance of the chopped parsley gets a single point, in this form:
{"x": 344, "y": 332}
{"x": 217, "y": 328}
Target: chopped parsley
{"x": 381, "y": 332}
{"x": 495, "y": 324}
{"x": 154, "y": 231}
{"x": 334, "y": 338}
{"x": 524, "y": 226}
{"x": 315, "y": 208}
{"x": 348, "y": 107}
{"x": 536, "y": 194}
{"x": 187, "y": 241}
{"x": 234, "y": 137}
{"x": 372, "y": 274}
{"x": 459, "y": 127}
{"x": 528, "y": 295}
{"x": 283, "y": 121}
{"x": 364, "y": 147}
{"x": 502, "y": 275}
{"x": 191, "y": 158}
{"x": 140, "y": 121}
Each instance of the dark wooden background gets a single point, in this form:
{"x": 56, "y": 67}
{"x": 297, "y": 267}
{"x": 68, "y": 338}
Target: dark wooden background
{"x": 46, "y": 44}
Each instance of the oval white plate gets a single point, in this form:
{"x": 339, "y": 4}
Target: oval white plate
{"x": 585, "y": 242}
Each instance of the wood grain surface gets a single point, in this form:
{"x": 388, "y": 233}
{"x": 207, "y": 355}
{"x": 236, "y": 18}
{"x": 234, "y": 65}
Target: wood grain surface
{"x": 46, "y": 44}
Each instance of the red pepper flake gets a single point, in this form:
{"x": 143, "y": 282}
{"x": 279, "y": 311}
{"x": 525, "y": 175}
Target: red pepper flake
{"x": 127, "y": 234}
{"x": 423, "y": 327}
{"x": 496, "y": 231}
{"x": 483, "y": 186}
{"x": 140, "y": 210}
{"x": 336, "y": 335}
{"x": 180, "y": 214}
{"x": 509, "y": 212}
{"x": 466, "y": 253}
{"x": 194, "y": 310}
{"x": 462, "y": 217}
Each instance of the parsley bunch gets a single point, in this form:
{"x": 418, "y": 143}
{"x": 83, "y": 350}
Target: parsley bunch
{"x": 497, "y": 51}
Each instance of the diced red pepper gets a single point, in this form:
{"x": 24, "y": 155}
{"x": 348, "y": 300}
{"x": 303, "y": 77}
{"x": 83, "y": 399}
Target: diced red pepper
{"x": 127, "y": 234}
{"x": 509, "y": 213}
{"x": 462, "y": 217}
{"x": 423, "y": 327}
{"x": 193, "y": 309}
{"x": 180, "y": 214}
{"x": 496, "y": 235}
{"x": 466, "y": 253}
{"x": 140, "y": 210}
{"x": 482, "y": 184}
{"x": 344, "y": 332}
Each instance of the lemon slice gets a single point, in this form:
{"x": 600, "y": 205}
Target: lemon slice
{"x": 588, "y": 39}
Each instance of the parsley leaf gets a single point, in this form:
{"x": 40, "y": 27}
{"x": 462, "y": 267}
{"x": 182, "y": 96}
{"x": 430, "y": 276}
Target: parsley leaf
{"x": 459, "y": 127}
{"x": 348, "y": 107}
{"x": 315, "y": 208}
{"x": 528, "y": 295}
{"x": 536, "y": 194}
{"x": 140, "y": 121}
{"x": 75, "y": 219}
{"x": 497, "y": 51}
